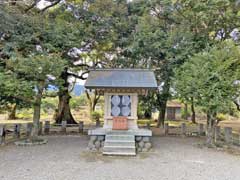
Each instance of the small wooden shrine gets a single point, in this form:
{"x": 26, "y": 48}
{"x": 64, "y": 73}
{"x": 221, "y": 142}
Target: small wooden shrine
{"x": 120, "y": 133}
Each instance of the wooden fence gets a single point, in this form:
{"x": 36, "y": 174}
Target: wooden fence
{"x": 12, "y": 132}
{"x": 222, "y": 134}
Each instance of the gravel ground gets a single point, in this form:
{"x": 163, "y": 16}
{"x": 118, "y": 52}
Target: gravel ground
{"x": 66, "y": 158}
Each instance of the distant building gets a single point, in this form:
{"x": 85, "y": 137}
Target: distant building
{"x": 173, "y": 111}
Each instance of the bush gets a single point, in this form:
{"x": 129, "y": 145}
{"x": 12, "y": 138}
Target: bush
{"x": 96, "y": 115}
{"x": 221, "y": 117}
{"x": 140, "y": 111}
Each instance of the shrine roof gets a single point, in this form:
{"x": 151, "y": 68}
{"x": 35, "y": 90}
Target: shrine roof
{"x": 121, "y": 78}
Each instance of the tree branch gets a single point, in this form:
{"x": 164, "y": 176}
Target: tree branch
{"x": 32, "y": 5}
{"x": 237, "y": 105}
{"x": 77, "y": 76}
{"x": 87, "y": 94}
{"x": 23, "y": 99}
{"x": 51, "y": 5}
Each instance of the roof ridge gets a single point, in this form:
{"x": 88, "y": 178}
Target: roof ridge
{"x": 119, "y": 69}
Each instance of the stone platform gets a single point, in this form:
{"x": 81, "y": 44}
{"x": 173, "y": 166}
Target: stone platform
{"x": 120, "y": 142}
{"x": 135, "y": 132}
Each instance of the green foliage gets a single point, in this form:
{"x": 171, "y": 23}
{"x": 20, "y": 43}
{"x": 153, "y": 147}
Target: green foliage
{"x": 49, "y": 105}
{"x": 145, "y": 107}
{"x": 78, "y": 101}
{"x": 221, "y": 117}
{"x": 210, "y": 77}
{"x": 96, "y": 115}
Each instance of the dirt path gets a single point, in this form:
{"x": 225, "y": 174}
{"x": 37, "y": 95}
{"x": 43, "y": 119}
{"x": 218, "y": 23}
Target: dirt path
{"x": 66, "y": 158}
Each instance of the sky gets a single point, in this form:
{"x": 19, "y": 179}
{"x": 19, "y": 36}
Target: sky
{"x": 42, "y": 4}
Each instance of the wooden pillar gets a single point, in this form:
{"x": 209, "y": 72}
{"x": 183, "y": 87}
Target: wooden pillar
{"x": 2, "y": 134}
{"x": 217, "y": 135}
{"x": 228, "y": 135}
{"x": 134, "y": 106}
{"x": 17, "y": 128}
{"x": 200, "y": 129}
{"x": 40, "y": 128}
{"x": 183, "y": 129}
{"x": 81, "y": 126}
{"x": 29, "y": 129}
{"x": 166, "y": 128}
{"x": 47, "y": 127}
{"x": 107, "y": 100}
{"x": 64, "y": 127}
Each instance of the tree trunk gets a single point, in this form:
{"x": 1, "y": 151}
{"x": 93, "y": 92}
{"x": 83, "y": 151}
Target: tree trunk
{"x": 193, "y": 111}
{"x": 12, "y": 113}
{"x": 90, "y": 109}
{"x": 162, "y": 102}
{"x": 63, "y": 112}
{"x": 185, "y": 111}
{"x": 37, "y": 111}
{"x": 211, "y": 124}
{"x": 162, "y": 112}
{"x": 237, "y": 105}
{"x": 92, "y": 102}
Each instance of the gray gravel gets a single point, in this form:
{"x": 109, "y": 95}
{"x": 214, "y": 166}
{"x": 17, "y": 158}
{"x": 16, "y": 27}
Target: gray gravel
{"x": 66, "y": 158}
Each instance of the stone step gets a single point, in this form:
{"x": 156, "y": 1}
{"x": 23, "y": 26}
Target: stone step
{"x": 109, "y": 147}
{"x": 120, "y": 153}
{"x": 120, "y": 132}
{"x": 119, "y": 150}
{"x": 119, "y": 143}
{"x": 120, "y": 137}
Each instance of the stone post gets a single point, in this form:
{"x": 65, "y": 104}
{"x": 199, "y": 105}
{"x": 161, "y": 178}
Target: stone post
{"x": 47, "y": 127}
{"x": 183, "y": 129}
{"x": 98, "y": 123}
{"x": 17, "y": 128}
{"x": 148, "y": 125}
{"x": 81, "y": 125}
{"x": 217, "y": 135}
{"x": 200, "y": 129}
{"x": 2, "y": 134}
{"x": 40, "y": 128}
{"x": 238, "y": 137}
{"x": 228, "y": 135}
{"x": 166, "y": 128}
{"x": 64, "y": 127}
{"x": 29, "y": 129}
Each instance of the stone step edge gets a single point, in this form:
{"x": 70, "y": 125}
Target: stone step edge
{"x": 120, "y": 147}
{"x": 113, "y": 140}
{"x": 125, "y": 136}
{"x": 120, "y": 153}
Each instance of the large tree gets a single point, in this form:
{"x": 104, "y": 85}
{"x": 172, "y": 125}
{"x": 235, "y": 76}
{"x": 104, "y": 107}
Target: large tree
{"x": 28, "y": 65}
{"x": 210, "y": 76}
{"x": 169, "y": 32}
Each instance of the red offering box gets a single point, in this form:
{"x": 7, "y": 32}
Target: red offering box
{"x": 120, "y": 123}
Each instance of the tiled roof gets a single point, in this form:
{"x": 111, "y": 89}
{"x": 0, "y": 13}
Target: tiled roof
{"x": 121, "y": 78}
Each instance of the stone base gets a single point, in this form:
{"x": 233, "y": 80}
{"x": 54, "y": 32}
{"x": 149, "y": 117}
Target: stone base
{"x": 96, "y": 142}
{"x": 143, "y": 143}
{"x": 31, "y": 143}
{"x": 142, "y": 138}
